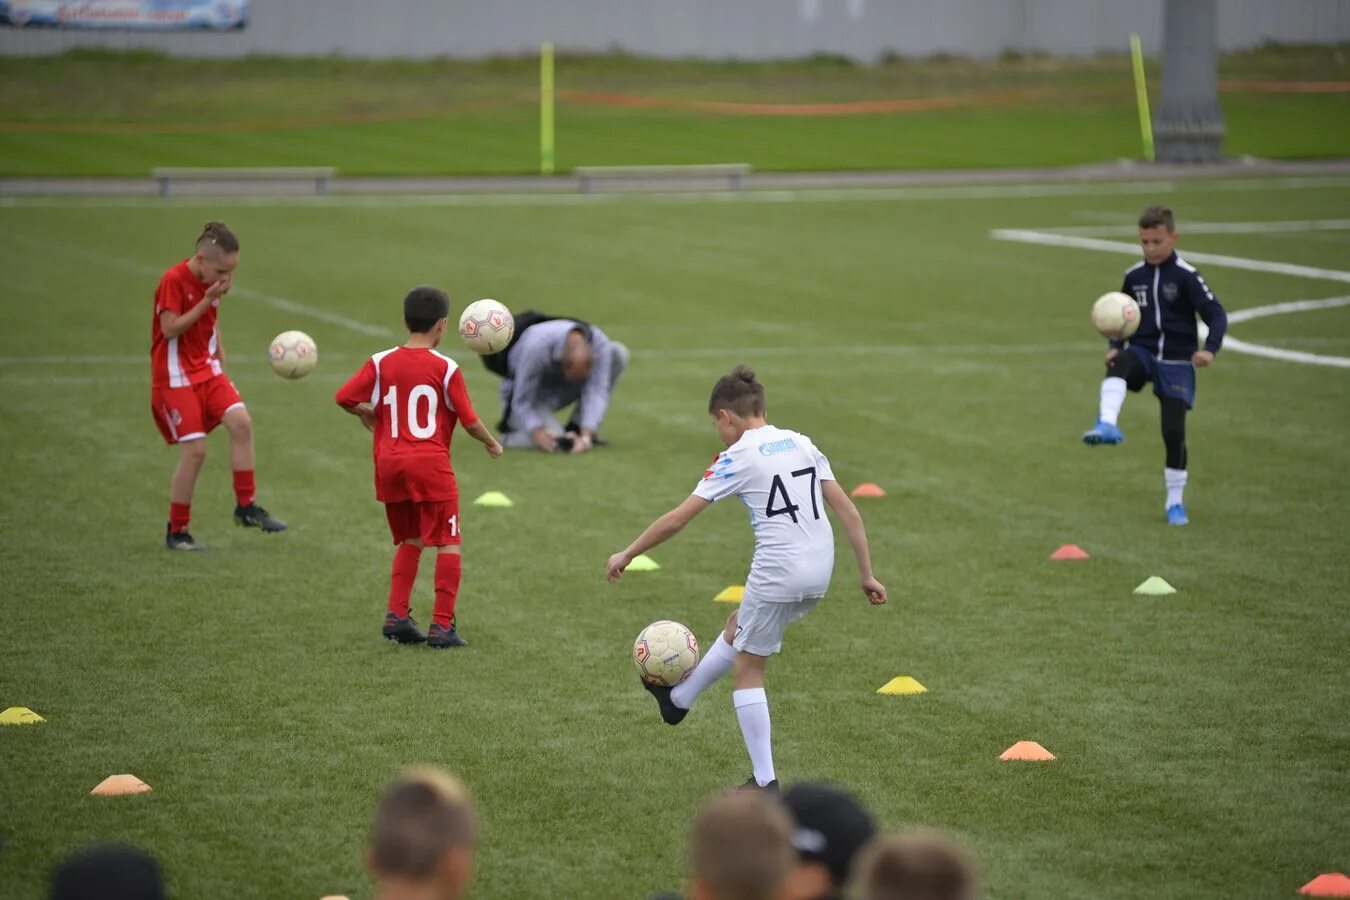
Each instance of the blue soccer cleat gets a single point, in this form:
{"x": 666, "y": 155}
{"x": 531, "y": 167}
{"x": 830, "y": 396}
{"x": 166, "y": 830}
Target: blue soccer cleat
{"x": 1176, "y": 515}
{"x": 1103, "y": 433}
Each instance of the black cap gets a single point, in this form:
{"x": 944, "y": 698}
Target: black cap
{"x": 829, "y": 826}
{"x": 108, "y": 872}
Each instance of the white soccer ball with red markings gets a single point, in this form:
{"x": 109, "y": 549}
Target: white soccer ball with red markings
{"x": 486, "y": 326}
{"x": 293, "y": 354}
{"x": 665, "y": 653}
{"x": 1115, "y": 315}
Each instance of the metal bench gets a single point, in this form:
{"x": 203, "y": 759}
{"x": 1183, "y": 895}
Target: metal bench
{"x": 734, "y": 173}
{"x": 319, "y": 175}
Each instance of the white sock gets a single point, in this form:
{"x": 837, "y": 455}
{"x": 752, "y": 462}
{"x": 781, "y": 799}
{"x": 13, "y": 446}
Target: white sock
{"x": 714, "y": 664}
{"x": 1113, "y": 398}
{"x": 1176, "y": 483}
{"x": 752, "y": 709}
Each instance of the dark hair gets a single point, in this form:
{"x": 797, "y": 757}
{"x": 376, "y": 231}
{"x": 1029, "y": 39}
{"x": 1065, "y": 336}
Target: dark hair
{"x": 107, "y": 870}
{"x": 219, "y": 235}
{"x": 738, "y": 392}
{"x": 1154, "y": 216}
{"x": 424, "y": 814}
{"x": 424, "y": 307}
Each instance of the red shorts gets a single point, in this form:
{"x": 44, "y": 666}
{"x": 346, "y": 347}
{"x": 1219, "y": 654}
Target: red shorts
{"x": 188, "y": 413}
{"x": 434, "y": 522}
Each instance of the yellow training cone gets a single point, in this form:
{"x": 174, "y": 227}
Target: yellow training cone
{"x": 117, "y": 785}
{"x": 494, "y": 498}
{"x": 20, "y": 715}
{"x": 733, "y": 594}
{"x": 902, "y": 684}
{"x": 643, "y": 563}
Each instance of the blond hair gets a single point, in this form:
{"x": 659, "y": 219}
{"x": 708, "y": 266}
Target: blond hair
{"x": 424, "y": 814}
{"x": 917, "y": 866}
{"x": 741, "y": 847}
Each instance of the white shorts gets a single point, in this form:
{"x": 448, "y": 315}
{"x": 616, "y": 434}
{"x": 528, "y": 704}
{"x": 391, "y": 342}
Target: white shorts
{"x": 760, "y": 623}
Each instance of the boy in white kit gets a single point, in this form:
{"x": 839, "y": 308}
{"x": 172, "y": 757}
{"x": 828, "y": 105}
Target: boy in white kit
{"x": 784, "y": 481}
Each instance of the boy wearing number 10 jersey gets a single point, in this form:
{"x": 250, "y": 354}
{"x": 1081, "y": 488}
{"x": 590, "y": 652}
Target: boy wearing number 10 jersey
{"x": 785, "y": 483}
{"x": 410, "y": 397}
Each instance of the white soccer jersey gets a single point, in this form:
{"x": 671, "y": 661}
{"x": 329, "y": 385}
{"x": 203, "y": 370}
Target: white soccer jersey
{"x": 778, "y": 474}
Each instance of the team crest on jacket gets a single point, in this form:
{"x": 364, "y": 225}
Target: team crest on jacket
{"x": 1169, "y": 291}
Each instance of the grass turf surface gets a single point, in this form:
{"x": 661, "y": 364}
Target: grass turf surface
{"x": 1201, "y": 737}
{"x": 93, "y": 113}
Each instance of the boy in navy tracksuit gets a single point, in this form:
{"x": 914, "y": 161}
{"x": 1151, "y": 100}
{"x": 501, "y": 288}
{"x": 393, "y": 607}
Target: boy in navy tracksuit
{"x": 1165, "y": 350}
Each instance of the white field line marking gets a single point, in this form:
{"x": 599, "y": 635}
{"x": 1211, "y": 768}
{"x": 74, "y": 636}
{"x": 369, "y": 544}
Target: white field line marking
{"x": 1126, "y": 228}
{"x": 1029, "y": 236}
{"x": 279, "y": 303}
{"x": 1279, "y": 309}
{"x": 792, "y": 195}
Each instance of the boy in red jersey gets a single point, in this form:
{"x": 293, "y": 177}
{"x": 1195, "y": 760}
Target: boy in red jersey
{"x": 190, "y": 393}
{"x": 410, "y": 397}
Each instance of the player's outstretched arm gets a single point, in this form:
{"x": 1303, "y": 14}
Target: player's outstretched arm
{"x": 660, "y": 531}
{"x": 848, "y": 516}
{"x": 479, "y": 432}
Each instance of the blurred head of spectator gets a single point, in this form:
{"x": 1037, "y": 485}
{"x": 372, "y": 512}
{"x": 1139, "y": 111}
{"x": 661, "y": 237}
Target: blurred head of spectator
{"x": 914, "y": 867}
{"x": 741, "y": 848}
{"x": 830, "y": 827}
{"x": 423, "y": 839}
{"x": 108, "y": 872}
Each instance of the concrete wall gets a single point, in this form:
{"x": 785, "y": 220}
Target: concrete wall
{"x": 748, "y": 29}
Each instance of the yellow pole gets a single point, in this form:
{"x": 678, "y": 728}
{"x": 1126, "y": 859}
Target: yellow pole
{"x": 1141, "y": 96}
{"x": 546, "y": 108}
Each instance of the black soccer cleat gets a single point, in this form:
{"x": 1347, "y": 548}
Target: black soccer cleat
{"x": 402, "y": 629}
{"x": 254, "y": 516}
{"x": 439, "y": 637}
{"x": 180, "y": 540}
{"x": 670, "y": 713}
{"x": 753, "y": 785}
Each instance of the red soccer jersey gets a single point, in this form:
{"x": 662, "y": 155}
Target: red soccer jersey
{"x": 418, "y": 395}
{"x": 193, "y": 356}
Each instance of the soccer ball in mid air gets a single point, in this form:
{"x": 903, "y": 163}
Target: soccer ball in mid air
{"x": 486, "y": 326}
{"x": 293, "y": 354}
{"x": 665, "y": 653}
{"x": 1115, "y": 315}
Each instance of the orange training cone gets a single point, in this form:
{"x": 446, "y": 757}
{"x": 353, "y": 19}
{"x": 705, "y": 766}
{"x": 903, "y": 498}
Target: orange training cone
{"x": 867, "y": 489}
{"x": 117, "y": 785}
{"x": 1332, "y": 884}
{"x": 1027, "y": 750}
{"x": 1069, "y": 551}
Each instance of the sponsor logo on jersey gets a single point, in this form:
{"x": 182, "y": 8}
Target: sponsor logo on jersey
{"x": 772, "y": 448}
{"x": 1169, "y": 291}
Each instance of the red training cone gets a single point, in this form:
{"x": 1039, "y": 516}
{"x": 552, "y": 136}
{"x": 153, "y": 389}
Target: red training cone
{"x": 1069, "y": 551}
{"x": 867, "y": 489}
{"x": 1332, "y": 884}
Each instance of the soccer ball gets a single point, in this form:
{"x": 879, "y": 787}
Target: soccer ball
{"x": 665, "y": 653}
{"x": 1115, "y": 315}
{"x": 293, "y": 354}
{"x": 486, "y": 326}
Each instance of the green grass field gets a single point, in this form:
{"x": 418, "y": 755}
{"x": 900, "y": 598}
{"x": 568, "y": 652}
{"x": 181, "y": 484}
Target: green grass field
{"x": 92, "y": 113}
{"x": 1201, "y": 737}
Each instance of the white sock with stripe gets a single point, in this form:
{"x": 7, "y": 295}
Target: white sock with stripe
{"x": 752, "y": 710}
{"x": 1113, "y": 398}
{"x": 715, "y": 663}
